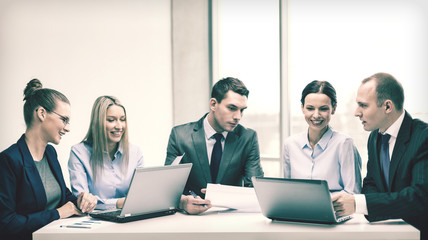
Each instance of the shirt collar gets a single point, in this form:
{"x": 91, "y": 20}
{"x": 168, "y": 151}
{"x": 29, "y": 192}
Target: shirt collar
{"x": 322, "y": 142}
{"x": 209, "y": 131}
{"x": 325, "y": 138}
{"x": 395, "y": 127}
{"x": 119, "y": 151}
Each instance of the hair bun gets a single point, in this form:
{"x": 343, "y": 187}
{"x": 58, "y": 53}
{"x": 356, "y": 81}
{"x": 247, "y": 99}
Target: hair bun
{"x": 32, "y": 87}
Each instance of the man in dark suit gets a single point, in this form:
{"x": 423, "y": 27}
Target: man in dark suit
{"x": 397, "y": 186}
{"x": 221, "y": 150}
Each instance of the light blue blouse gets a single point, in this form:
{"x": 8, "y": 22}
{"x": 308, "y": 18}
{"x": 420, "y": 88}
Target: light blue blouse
{"x": 112, "y": 184}
{"x": 334, "y": 159}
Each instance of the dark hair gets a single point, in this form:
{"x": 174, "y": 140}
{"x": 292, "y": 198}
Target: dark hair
{"x": 224, "y": 85}
{"x": 320, "y": 87}
{"x": 36, "y": 96}
{"x": 387, "y": 88}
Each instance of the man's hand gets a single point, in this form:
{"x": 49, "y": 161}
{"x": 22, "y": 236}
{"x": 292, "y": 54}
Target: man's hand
{"x": 343, "y": 203}
{"x": 194, "y": 205}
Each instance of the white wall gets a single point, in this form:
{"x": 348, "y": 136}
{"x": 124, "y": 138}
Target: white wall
{"x": 86, "y": 49}
{"x": 191, "y": 60}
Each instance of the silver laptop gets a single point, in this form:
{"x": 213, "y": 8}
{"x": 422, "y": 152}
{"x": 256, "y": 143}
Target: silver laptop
{"x": 153, "y": 192}
{"x": 299, "y": 200}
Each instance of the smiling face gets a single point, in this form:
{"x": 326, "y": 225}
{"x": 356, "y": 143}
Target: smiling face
{"x": 55, "y": 124}
{"x": 115, "y": 124}
{"x": 371, "y": 115}
{"x": 225, "y": 116}
{"x": 317, "y": 111}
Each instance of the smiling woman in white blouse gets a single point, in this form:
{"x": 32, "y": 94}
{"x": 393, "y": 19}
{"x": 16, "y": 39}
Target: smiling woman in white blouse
{"x": 320, "y": 152}
{"x": 103, "y": 163}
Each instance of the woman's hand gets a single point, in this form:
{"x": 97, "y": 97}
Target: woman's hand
{"x": 68, "y": 210}
{"x": 119, "y": 202}
{"x": 86, "y": 202}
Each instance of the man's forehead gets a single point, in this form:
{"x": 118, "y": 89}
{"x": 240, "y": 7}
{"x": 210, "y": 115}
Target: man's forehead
{"x": 368, "y": 88}
{"x": 237, "y": 105}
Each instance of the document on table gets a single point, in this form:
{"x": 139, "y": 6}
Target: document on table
{"x": 82, "y": 223}
{"x": 239, "y": 198}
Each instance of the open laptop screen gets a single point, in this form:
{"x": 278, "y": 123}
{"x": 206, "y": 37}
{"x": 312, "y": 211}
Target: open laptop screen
{"x": 295, "y": 199}
{"x": 154, "y": 191}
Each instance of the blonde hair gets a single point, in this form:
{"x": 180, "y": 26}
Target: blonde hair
{"x": 97, "y": 135}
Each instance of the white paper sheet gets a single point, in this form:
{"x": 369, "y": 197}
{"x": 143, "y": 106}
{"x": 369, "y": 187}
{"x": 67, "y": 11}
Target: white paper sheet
{"x": 240, "y": 198}
{"x": 177, "y": 160}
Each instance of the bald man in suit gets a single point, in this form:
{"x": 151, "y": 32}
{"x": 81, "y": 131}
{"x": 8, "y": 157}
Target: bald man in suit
{"x": 396, "y": 185}
{"x": 237, "y": 151}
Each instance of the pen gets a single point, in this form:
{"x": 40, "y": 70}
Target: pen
{"x": 90, "y": 222}
{"x": 75, "y": 226}
{"x": 195, "y": 196}
{"x": 82, "y": 223}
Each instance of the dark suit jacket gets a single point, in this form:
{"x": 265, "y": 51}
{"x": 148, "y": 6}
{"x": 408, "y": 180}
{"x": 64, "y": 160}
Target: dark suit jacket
{"x": 22, "y": 195}
{"x": 407, "y": 197}
{"x": 239, "y": 162}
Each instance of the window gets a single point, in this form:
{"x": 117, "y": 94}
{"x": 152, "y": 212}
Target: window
{"x": 246, "y": 46}
{"x": 342, "y": 42}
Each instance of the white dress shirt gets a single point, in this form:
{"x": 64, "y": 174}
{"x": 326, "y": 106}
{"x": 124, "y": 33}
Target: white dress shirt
{"x": 334, "y": 159}
{"x": 209, "y": 138}
{"x": 360, "y": 199}
{"x": 114, "y": 181}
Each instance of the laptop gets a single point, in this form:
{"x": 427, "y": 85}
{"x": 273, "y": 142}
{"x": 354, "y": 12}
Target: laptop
{"x": 298, "y": 200}
{"x": 153, "y": 192}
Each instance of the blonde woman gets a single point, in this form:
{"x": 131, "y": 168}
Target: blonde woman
{"x": 103, "y": 163}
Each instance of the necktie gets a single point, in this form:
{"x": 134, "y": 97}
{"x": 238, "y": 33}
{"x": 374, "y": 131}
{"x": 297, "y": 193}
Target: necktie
{"x": 384, "y": 157}
{"x": 216, "y": 156}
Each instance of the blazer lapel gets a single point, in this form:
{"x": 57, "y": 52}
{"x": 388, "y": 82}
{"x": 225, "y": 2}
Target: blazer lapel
{"x": 33, "y": 174}
{"x": 228, "y": 152}
{"x": 400, "y": 146}
{"x": 200, "y": 146}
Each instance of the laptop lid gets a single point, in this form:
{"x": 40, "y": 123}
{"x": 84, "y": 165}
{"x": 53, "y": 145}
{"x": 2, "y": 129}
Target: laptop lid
{"x": 155, "y": 189}
{"x": 301, "y": 200}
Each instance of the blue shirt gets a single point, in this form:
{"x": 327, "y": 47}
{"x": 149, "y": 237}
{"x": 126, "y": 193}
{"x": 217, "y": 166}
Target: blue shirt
{"x": 112, "y": 184}
{"x": 334, "y": 159}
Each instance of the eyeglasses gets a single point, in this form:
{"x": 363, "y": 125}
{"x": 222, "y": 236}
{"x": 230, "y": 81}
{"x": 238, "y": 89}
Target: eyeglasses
{"x": 65, "y": 120}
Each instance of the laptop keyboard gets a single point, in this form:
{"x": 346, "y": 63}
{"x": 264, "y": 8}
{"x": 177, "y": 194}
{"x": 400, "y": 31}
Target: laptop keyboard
{"x": 343, "y": 218}
{"x": 110, "y": 213}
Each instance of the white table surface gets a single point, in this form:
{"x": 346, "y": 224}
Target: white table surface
{"x": 224, "y": 226}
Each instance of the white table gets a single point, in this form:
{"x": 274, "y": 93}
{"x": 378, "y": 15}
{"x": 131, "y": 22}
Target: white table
{"x": 224, "y": 226}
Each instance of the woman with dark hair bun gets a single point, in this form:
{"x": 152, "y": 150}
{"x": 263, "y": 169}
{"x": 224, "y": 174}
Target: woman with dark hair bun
{"x": 320, "y": 152}
{"x": 32, "y": 188}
